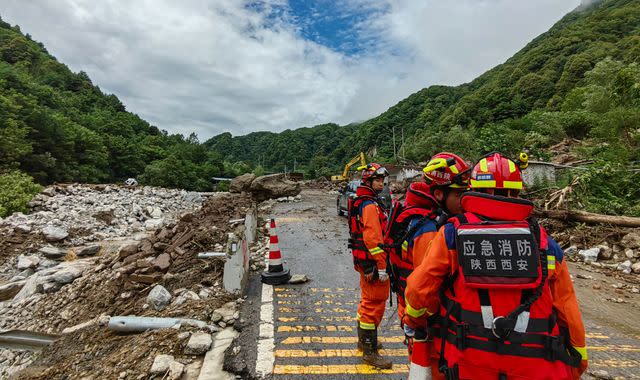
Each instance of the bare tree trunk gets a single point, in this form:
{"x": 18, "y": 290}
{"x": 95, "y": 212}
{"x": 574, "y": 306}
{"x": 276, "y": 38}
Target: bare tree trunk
{"x": 588, "y": 217}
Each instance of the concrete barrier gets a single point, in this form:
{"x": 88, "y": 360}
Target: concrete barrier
{"x": 236, "y": 267}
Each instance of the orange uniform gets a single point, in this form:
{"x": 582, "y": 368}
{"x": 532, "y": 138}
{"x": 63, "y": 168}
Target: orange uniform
{"x": 427, "y": 280}
{"x": 374, "y": 294}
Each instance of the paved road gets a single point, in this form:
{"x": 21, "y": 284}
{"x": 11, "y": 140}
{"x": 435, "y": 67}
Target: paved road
{"x": 314, "y": 324}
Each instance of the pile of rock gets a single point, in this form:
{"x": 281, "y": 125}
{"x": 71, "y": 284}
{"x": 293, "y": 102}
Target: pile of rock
{"x": 272, "y": 186}
{"x": 75, "y": 214}
{"x": 623, "y": 256}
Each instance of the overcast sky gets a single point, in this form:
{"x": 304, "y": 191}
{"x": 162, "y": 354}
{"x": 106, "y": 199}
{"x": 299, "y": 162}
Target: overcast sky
{"x": 210, "y": 66}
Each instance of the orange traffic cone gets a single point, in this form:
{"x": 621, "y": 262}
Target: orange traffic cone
{"x": 276, "y": 274}
{"x": 420, "y": 368}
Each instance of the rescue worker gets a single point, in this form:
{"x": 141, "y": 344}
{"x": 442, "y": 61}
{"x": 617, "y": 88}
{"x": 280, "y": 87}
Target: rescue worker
{"x": 507, "y": 308}
{"x": 367, "y": 221}
{"x": 427, "y": 204}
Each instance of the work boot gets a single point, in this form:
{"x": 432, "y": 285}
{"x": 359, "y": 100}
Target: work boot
{"x": 360, "y": 338}
{"x": 370, "y": 350}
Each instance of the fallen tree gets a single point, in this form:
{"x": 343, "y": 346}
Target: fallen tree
{"x": 588, "y": 217}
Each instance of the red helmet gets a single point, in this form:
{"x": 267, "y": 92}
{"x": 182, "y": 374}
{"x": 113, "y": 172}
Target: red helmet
{"x": 495, "y": 171}
{"x": 373, "y": 170}
{"x": 447, "y": 169}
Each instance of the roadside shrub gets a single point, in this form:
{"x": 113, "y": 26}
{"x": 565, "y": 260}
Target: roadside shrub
{"x": 16, "y": 190}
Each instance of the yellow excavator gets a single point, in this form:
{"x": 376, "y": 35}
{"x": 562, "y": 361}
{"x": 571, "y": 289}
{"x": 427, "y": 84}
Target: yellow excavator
{"x": 345, "y": 174}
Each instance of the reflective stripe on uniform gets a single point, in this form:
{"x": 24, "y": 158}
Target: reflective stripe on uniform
{"x": 582, "y": 351}
{"x": 512, "y": 166}
{"x": 551, "y": 262}
{"x": 375, "y": 250}
{"x": 416, "y": 313}
{"x": 418, "y": 372}
{"x": 487, "y": 184}
{"x": 483, "y": 165}
{"x": 405, "y": 245}
{"x": 512, "y": 185}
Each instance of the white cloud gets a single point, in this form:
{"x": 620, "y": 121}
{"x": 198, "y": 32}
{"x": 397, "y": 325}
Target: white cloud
{"x": 214, "y": 66}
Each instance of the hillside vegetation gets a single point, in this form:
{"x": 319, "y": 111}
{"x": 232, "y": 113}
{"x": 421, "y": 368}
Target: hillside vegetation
{"x": 56, "y": 126}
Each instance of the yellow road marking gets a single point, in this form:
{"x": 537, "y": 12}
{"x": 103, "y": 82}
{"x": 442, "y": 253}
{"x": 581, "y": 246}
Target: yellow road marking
{"x": 334, "y": 353}
{"x": 336, "y": 369}
{"x": 596, "y": 336}
{"x": 622, "y": 347}
{"x": 316, "y": 303}
{"x": 317, "y": 319}
{"x": 328, "y": 328}
{"x": 290, "y": 219}
{"x": 616, "y": 363}
{"x": 323, "y": 295}
{"x": 318, "y": 310}
{"x": 337, "y": 339}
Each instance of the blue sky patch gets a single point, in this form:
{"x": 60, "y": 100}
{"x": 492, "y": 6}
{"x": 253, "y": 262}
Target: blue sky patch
{"x": 339, "y": 25}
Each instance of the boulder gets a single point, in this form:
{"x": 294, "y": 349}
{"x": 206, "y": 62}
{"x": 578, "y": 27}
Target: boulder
{"x": 53, "y": 252}
{"x": 89, "y": 250}
{"x": 625, "y": 267}
{"x": 273, "y": 186}
{"x": 26, "y": 262}
{"x": 589, "y": 255}
{"x": 198, "y": 344}
{"x": 30, "y": 288}
{"x": 175, "y": 370}
{"x": 162, "y": 262}
{"x": 606, "y": 252}
{"x": 54, "y": 233}
{"x": 67, "y": 275}
{"x": 8, "y": 291}
{"x": 160, "y": 364}
{"x": 631, "y": 240}
{"x": 241, "y": 183}
{"x": 128, "y": 250}
{"x": 159, "y": 298}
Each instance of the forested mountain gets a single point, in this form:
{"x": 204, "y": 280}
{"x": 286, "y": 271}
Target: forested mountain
{"x": 56, "y": 126}
{"x": 579, "y": 80}
{"x": 514, "y": 99}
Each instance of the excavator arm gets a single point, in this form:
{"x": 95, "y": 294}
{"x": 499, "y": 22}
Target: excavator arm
{"x": 345, "y": 173}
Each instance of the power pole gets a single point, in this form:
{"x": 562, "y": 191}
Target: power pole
{"x": 393, "y": 131}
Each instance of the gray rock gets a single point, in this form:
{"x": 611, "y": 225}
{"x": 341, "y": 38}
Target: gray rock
{"x": 175, "y": 370}
{"x": 46, "y": 263}
{"x": 606, "y": 252}
{"x": 161, "y": 364}
{"x": 629, "y": 254}
{"x": 198, "y": 344}
{"x": 216, "y": 317}
{"x": 625, "y": 267}
{"x": 27, "y": 262}
{"x": 273, "y": 186}
{"x": 23, "y": 228}
{"x": 298, "y": 279}
{"x": 571, "y": 250}
{"x": 67, "y": 275}
{"x": 589, "y": 255}
{"x": 152, "y": 224}
{"x": 8, "y": 291}
{"x": 227, "y": 311}
{"x": 128, "y": 250}
{"x": 89, "y": 250}
{"x": 162, "y": 262}
{"x": 159, "y": 298}
{"x": 53, "y": 252}
{"x": 54, "y": 233}
{"x": 631, "y": 240}
{"x": 30, "y": 288}
{"x": 636, "y": 267}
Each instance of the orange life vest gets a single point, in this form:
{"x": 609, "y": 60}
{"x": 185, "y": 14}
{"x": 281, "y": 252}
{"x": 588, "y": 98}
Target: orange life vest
{"x": 497, "y": 316}
{"x": 364, "y": 196}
